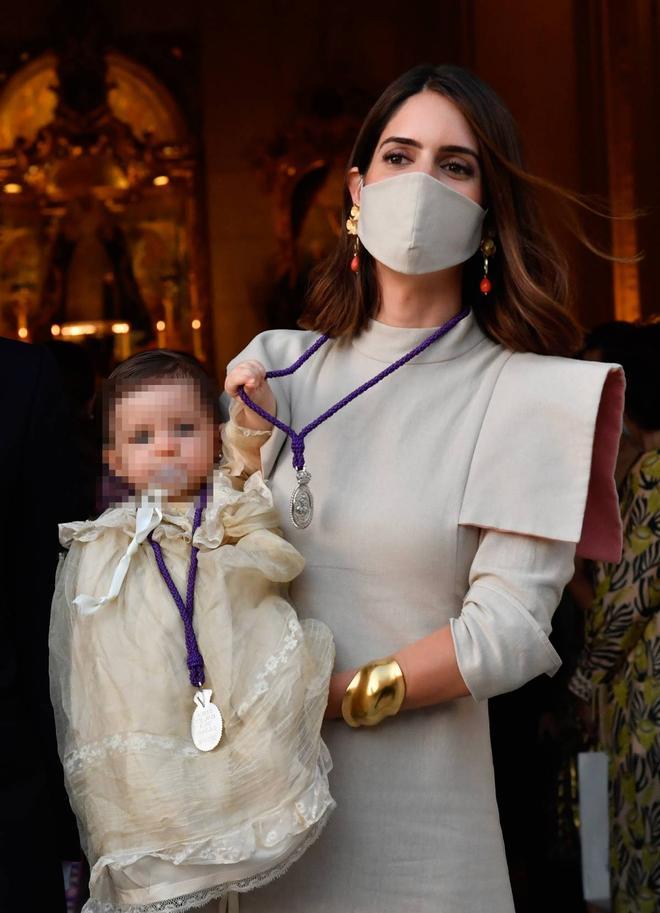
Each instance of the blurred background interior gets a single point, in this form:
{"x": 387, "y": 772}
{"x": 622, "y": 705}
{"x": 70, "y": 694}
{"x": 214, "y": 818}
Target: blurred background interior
{"x": 170, "y": 172}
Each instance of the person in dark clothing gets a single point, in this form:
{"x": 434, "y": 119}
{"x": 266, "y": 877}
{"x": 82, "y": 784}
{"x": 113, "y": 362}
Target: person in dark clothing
{"x": 34, "y": 483}
{"x": 77, "y": 373}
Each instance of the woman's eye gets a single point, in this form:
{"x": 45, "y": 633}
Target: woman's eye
{"x": 459, "y": 169}
{"x": 185, "y": 429}
{"x": 141, "y": 436}
{"x": 395, "y": 158}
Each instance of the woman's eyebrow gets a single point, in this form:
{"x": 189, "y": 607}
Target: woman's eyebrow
{"x": 407, "y": 141}
{"x": 402, "y": 141}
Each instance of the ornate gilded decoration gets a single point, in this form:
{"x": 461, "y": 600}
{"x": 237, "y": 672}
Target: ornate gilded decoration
{"x": 99, "y": 179}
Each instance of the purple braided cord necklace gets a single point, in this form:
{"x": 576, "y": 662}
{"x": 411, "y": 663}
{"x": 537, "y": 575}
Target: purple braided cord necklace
{"x": 194, "y": 657}
{"x": 301, "y": 500}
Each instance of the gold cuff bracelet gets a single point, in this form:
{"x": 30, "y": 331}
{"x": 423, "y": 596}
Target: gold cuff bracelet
{"x": 376, "y": 690}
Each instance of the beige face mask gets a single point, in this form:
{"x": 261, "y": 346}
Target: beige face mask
{"x": 415, "y": 224}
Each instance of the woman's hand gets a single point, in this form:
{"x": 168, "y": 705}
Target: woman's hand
{"x": 430, "y": 670}
{"x": 252, "y": 376}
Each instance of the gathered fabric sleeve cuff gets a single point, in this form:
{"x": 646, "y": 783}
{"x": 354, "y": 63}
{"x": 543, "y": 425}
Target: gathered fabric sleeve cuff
{"x": 241, "y": 447}
{"x": 544, "y": 461}
{"x": 501, "y": 635}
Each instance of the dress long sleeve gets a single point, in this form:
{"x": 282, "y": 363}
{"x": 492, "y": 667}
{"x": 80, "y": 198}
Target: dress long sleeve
{"x": 501, "y": 636}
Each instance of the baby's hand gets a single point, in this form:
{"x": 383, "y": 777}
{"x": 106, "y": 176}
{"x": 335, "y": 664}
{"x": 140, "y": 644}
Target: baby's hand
{"x": 252, "y": 376}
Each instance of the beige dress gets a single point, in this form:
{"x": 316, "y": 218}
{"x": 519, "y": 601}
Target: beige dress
{"x": 165, "y": 826}
{"x": 454, "y": 492}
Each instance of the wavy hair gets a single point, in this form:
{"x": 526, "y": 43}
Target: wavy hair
{"x": 528, "y": 307}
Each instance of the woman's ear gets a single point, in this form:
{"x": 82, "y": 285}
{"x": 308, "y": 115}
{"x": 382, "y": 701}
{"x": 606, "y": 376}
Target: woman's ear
{"x": 355, "y": 182}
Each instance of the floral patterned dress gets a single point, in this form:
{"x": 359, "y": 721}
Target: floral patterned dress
{"x": 620, "y": 666}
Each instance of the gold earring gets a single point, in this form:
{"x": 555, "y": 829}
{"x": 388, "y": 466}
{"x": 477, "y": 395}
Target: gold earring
{"x": 351, "y": 228}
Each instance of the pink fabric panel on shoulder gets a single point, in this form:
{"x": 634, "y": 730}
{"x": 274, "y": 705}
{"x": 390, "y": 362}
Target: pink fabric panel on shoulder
{"x": 601, "y": 528}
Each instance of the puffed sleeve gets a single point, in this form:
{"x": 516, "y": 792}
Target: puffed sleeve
{"x": 501, "y": 635}
{"x": 241, "y": 447}
{"x": 544, "y": 460}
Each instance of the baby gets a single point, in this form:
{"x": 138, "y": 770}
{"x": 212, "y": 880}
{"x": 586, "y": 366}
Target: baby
{"x": 188, "y": 695}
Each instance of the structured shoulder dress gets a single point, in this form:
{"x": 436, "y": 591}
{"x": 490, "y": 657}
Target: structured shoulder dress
{"x": 454, "y": 492}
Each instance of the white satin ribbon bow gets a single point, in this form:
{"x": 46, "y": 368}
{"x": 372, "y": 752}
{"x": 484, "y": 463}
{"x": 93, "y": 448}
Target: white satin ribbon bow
{"x": 147, "y": 518}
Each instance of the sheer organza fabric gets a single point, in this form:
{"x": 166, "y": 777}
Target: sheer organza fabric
{"x": 165, "y": 826}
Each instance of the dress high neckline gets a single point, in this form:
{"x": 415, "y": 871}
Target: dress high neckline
{"x": 386, "y": 343}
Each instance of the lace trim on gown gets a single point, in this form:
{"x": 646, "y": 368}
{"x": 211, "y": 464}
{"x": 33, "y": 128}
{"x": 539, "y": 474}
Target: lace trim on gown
{"x": 308, "y": 816}
{"x": 200, "y": 898}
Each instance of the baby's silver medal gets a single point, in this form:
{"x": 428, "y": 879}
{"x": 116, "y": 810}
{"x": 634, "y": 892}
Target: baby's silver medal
{"x": 206, "y": 725}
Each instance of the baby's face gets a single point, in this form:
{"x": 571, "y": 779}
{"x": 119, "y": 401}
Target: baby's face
{"x": 163, "y": 438}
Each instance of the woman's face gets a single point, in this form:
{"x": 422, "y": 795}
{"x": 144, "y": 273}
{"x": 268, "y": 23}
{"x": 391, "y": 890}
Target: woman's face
{"x": 428, "y": 133}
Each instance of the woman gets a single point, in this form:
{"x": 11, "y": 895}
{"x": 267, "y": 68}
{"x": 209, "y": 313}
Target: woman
{"x": 449, "y": 497}
{"x": 619, "y": 669}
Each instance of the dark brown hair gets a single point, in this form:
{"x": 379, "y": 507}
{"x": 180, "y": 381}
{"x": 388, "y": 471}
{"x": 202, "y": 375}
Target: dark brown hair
{"x": 158, "y": 365}
{"x": 527, "y": 309}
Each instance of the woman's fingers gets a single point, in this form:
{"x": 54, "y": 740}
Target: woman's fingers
{"x": 249, "y": 374}
{"x": 252, "y": 376}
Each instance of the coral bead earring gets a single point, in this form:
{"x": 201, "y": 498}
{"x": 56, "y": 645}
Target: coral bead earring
{"x": 351, "y": 228}
{"x": 488, "y": 248}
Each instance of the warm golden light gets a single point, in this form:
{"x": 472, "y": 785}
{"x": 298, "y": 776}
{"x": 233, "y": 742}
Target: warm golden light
{"x": 161, "y": 180}
{"x": 79, "y": 329}
{"x": 13, "y": 188}
{"x": 160, "y": 325}
{"x": 22, "y": 333}
{"x": 198, "y": 349}
{"x": 91, "y": 328}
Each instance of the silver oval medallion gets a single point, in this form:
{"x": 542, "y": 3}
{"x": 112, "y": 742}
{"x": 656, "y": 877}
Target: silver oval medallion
{"x": 206, "y": 725}
{"x": 302, "y": 502}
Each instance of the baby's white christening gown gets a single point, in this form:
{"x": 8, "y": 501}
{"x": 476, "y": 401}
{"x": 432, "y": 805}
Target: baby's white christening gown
{"x": 165, "y": 826}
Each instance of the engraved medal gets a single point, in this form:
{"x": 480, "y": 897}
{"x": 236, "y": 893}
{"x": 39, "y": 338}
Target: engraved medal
{"x": 302, "y": 502}
{"x": 206, "y": 725}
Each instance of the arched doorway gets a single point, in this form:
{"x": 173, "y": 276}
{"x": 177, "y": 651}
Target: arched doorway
{"x": 99, "y": 234}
